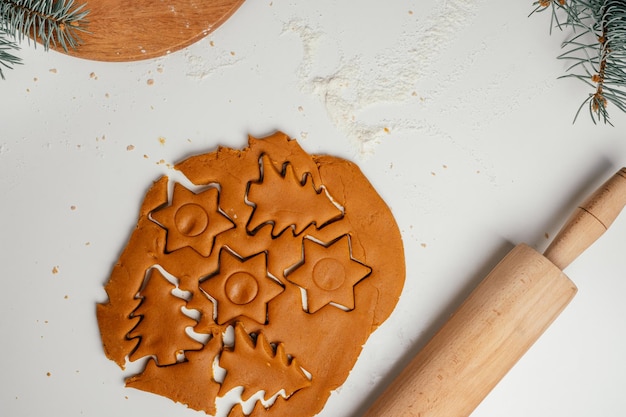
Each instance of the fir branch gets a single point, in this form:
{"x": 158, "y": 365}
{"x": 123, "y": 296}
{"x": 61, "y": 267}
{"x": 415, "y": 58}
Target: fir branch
{"x": 53, "y": 23}
{"x": 7, "y": 59}
{"x": 597, "y": 50}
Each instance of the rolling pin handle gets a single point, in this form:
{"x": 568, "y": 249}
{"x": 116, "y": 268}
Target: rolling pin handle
{"x": 589, "y": 221}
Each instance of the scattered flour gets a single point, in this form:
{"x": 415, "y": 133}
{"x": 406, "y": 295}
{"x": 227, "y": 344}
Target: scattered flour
{"x": 198, "y": 68}
{"x": 360, "y": 83}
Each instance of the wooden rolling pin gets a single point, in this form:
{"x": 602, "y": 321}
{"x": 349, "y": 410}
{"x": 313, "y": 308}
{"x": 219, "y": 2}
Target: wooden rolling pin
{"x": 500, "y": 320}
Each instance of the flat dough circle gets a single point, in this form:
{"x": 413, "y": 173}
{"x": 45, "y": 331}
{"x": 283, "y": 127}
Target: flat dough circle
{"x": 296, "y": 253}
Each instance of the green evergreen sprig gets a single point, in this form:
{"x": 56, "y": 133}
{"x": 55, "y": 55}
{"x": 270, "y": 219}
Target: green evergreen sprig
{"x": 7, "y": 59}
{"x": 53, "y": 23}
{"x": 597, "y": 49}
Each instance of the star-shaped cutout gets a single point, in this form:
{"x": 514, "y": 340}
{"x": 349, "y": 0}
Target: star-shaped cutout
{"x": 328, "y": 274}
{"x": 241, "y": 287}
{"x": 192, "y": 220}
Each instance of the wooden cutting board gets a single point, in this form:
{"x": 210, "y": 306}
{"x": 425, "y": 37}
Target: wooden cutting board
{"x": 140, "y": 29}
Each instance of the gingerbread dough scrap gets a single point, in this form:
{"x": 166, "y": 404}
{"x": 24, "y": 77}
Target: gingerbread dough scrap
{"x": 296, "y": 252}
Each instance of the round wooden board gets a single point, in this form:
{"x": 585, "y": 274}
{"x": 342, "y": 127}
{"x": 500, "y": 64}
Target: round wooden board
{"x": 130, "y": 31}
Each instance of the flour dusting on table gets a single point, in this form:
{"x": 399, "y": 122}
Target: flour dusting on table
{"x": 360, "y": 83}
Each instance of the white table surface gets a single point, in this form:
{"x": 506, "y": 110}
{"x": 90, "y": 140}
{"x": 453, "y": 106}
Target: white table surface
{"x": 479, "y": 153}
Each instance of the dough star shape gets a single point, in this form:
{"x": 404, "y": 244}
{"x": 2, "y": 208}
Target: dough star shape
{"x": 328, "y": 274}
{"x": 241, "y": 287}
{"x": 192, "y": 220}
{"x": 258, "y": 281}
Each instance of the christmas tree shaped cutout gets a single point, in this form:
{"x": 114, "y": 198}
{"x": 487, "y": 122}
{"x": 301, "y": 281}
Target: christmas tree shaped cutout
{"x": 162, "y": 324}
